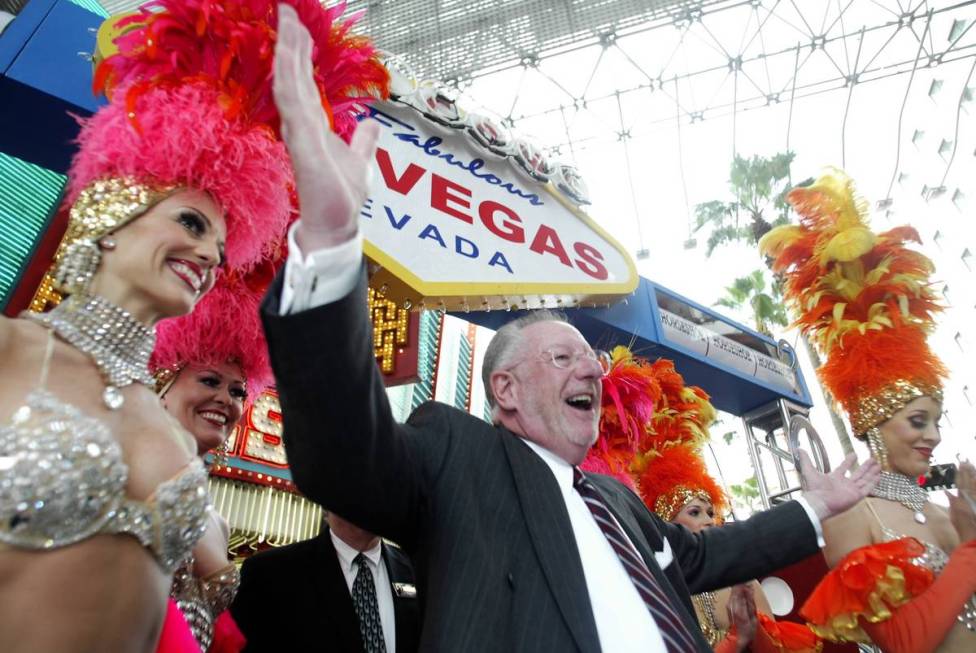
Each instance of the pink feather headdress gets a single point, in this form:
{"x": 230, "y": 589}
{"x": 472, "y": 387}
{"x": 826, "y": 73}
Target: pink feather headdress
{"x": 186, "y": 140}
{"x": 191, "y": 104}
{"x": 631, "y": 391}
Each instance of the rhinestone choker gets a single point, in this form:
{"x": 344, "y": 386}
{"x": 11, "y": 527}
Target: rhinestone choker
{"x": 904, "y": 490}
{"x": 119, "y": 344}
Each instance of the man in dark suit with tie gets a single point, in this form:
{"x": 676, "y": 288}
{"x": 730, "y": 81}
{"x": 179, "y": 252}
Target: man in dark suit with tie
{"x": 344, "y": 591}
{"x": 515, "y": 550}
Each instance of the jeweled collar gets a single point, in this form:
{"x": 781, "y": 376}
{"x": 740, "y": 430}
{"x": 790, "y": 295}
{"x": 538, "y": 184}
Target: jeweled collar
{"x": 904, "y": 490}
{"x": 117, "y": 342}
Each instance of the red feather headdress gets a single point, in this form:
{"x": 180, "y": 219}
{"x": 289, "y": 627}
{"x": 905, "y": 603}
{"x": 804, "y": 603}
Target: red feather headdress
{"x": 668, "y": 479}
{"x": 228, "y": 45}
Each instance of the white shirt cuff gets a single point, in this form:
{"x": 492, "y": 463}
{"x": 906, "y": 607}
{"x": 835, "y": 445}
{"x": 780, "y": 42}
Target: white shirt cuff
{"x": 322, "y": 277}
{"x": 821, "y": 542}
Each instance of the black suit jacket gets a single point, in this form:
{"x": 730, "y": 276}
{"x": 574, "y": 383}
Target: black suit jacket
{"x": 295, "y": 598}
{"x": 478, "y": 511}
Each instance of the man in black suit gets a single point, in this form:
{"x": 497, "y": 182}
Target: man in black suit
{"x": 299, "y": 597}
{"x": 514, "y": 551}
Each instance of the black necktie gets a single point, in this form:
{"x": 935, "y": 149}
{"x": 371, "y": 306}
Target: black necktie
{"x": 364, "y": 600}
{"x": 675, "y": 634}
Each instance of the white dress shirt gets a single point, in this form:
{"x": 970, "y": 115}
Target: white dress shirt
{"x": 321, "y": 277}
{"x": 381, "y": 581}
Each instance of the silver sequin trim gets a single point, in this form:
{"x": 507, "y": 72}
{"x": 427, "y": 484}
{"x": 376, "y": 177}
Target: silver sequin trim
{"x": 201, "y": 600}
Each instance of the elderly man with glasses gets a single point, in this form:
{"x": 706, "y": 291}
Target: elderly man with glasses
{"x": 515, "y": 549}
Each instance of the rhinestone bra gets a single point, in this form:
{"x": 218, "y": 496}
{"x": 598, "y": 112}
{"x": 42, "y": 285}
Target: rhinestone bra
{"x": 63, "y": 479}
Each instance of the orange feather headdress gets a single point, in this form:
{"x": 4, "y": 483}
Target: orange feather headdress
{"x": 669, "y": 468}
{"x": 652, "y": 428}
{"x": 864, "y": 298}
{"x": 668, "y": 480}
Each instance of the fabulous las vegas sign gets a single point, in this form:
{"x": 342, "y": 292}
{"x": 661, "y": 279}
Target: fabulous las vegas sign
{"x": 465, "y": 216}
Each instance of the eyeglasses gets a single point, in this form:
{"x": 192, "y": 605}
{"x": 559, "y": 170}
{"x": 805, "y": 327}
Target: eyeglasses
{"x": 565, "y": 358}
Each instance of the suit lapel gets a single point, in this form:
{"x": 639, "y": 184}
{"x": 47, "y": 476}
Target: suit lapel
{"x": 404, "y": 609}
{"x": 334, "y": 593}
{"x": 553, "y": 539}
{"x": 630, "y": 526}
{"x": 629, "y": 523}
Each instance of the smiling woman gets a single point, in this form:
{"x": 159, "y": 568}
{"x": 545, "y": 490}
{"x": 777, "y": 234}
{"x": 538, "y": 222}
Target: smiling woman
{"x": 208, "y": 401}
{"x": 160, "y": 265}
{"x": 206, "y": 364}
{"x": 89, "y": 432}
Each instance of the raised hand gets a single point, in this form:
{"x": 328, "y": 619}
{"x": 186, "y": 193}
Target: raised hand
{"x": 332, "y": 178}
{"x": 833, "y": 493}
{"x": 962, "y": 505}
{"x": 742, "y": 615}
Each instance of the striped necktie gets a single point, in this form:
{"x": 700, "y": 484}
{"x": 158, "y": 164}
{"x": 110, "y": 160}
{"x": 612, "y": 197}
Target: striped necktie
{"x": 675, "y": 634}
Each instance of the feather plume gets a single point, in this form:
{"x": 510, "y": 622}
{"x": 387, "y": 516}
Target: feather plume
{"x": 865, "y": 299}
{"x": 229, "y": 45}
{"x": 610, "y": 465}
{"x": 187, "y": 140}
{"x": 630, "y": 391}
{"x": 647, "y": 414}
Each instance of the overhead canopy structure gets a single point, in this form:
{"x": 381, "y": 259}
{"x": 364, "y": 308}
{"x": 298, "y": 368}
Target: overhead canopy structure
{"x": 452, "y": 40}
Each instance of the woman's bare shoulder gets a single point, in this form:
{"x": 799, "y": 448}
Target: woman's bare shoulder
{"x": 846, "y": 532}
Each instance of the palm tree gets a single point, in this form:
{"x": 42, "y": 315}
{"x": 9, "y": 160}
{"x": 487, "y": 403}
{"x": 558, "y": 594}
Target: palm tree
{"x": 746, "y": 495}
{"x": 767, "y": 308}
{"x": 759, "y": 186}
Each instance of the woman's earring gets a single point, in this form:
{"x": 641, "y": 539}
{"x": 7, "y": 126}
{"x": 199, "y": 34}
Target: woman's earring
{"x": 107, "y": 243}
{"x": 877, "y": 447}
{"x": 77, "y": 266}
